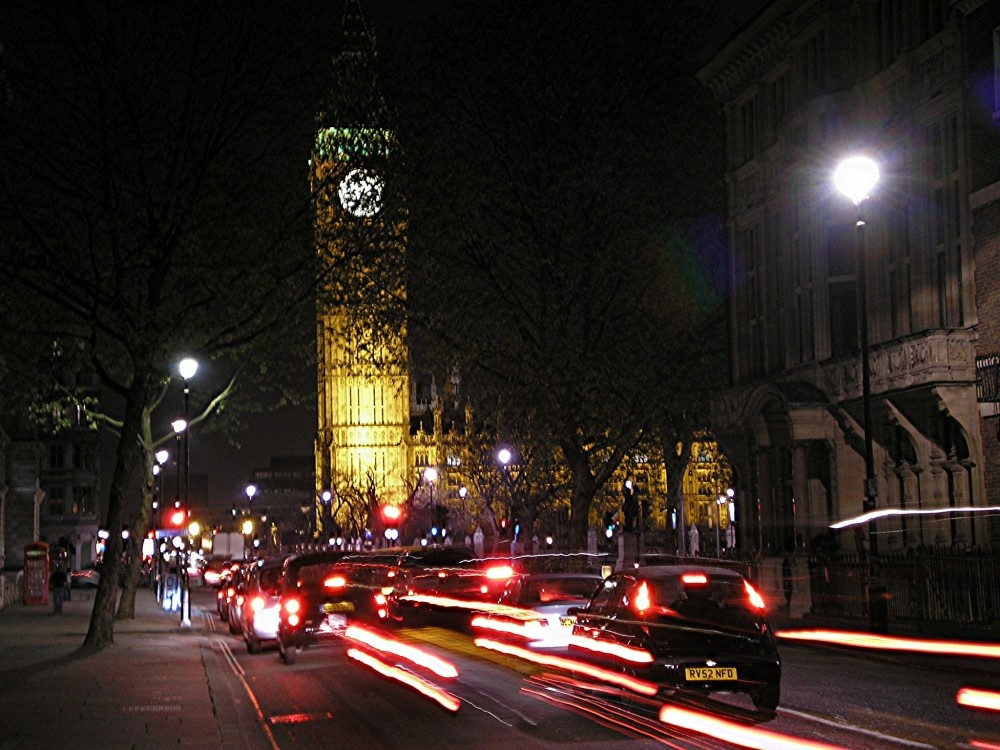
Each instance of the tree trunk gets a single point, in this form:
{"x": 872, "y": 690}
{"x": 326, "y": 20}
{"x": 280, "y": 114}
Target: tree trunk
{"x": 130, "y": 582}
{"x": 101, "y": 632}
{"x": 126, "y": 605}
{"x": 584, "y": 489}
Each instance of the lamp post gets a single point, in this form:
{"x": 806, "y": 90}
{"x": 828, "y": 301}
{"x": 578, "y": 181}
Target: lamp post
{"x": 430, "y": 477}
{"x": 250, "y": 491}
{"x": 719, "y": 501}
{"x": 855, "y": 177}
{"x": 187, "y": 368}
{"x": 326, "y": 497}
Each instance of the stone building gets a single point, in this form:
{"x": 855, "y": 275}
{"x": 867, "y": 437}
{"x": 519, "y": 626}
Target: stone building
{"x": 914, "y": 86}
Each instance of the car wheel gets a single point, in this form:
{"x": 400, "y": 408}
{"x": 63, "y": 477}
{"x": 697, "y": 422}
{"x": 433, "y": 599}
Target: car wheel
{"x": 766, "y": 699}
{"x": 234, "y": 627}
{"x": 287, "y": 653}
{"x": 253, "y": 644}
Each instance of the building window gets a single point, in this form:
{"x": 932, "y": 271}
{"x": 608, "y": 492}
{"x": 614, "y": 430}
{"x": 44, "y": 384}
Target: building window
{"x": 842, "y": 286}
{"x": 746, "y": 131}
{"x": 814, "y": 65}
{"x": 83, "y": 500}
{"x": 779, "y": 102}
{"x": 892, "y": 27}
{"x": 753, "y": 300}
{"x": 945, "y": 230}
{"x": 57, "y": 500}
{"x": 57, "y": 456}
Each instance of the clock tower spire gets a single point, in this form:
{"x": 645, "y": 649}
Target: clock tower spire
{"x": 363, "y": 362}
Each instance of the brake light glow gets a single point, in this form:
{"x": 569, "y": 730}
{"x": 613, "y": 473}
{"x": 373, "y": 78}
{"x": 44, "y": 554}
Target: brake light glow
{"x": 641, "y": 600}
{"x": 975, "y": 698}
{"x": 292, "y": 607}
{"x": 257, "y": 603}
{"x": 755, "y": 599}
{"x": 694, "y": 579}
{"x": 335, "y": 582}
{"x": 499, "y": 572}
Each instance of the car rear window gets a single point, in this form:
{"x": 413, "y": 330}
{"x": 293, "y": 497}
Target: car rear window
{"x": 553, "y": 590}
{"x": 312, "y": 577}
{"x": 720, "y": 601}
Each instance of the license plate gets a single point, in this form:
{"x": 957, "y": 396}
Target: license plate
{"x": 709, "y": 674}
{"x": 567, "y": 622}
{"x": 332, "y": 607}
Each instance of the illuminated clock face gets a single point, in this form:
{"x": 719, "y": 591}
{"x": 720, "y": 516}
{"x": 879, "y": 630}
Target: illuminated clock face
{"x": 361, "y": 192}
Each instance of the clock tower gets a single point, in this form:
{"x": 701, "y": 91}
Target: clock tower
{"x": 363, "y": 361}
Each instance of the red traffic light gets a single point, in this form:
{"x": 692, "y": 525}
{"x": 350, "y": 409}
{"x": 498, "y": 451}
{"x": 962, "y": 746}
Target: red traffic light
{"x": 178, "y": 517}
{"x": 391, "y": 514}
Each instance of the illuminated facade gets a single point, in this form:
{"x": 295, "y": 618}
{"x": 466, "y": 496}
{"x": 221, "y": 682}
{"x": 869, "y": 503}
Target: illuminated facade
{"x": 363, "y": 364}
{"x": 801, "y": 86}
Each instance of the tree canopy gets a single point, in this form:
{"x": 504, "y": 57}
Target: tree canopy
{"x": 564, "y": 243}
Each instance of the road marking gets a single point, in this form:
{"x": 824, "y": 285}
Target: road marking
{"x": 853, "y": 728}
{"x": 151, "y": 709}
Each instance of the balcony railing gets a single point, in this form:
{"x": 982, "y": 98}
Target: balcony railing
{"x": 988, "y": 378}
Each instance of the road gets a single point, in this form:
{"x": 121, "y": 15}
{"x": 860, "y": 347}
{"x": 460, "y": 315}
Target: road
{"x": 836, "y": 697}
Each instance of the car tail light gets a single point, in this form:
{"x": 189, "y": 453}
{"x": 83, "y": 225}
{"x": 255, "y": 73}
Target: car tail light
{"x": 292, "y": 608}
{"x": 499, "y": 572}
{"x": 755, "y": 599}
{"x": 380, "y": 606}
{"x": 335, "y": 582}
{"x": 694, "y": 579}
{"x": 641, "y": 600}
{"x": 230, "y": 592}
{"x": 239, "y": 600}
{"x": 257, "y": 603}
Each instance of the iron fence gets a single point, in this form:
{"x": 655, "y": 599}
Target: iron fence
{"x": 922, "y": 586}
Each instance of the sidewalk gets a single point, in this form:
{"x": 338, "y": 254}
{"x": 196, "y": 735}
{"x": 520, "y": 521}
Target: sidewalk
{"x": 151, "y": 689}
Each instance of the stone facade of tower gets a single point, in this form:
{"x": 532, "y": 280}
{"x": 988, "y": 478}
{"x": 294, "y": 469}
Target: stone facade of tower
{"x": 363, "y": 381}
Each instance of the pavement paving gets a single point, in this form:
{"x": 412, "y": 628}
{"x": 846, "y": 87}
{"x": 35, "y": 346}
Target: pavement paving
{"x": 159, "y": 685}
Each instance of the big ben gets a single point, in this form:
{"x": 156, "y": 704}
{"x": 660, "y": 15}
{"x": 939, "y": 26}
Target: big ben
{"x": 360, "y": 222}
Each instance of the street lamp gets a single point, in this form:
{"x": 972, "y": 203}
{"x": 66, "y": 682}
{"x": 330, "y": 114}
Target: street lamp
{"x": 719, "y": 502}
{"x": 187, "y": 368}
{"x": 855, "y": 177}
{"x": 326, "y": 497}
{"x": 430, "y": 477}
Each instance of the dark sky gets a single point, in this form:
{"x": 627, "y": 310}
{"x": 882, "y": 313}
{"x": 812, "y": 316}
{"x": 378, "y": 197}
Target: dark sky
{"x": 291, "y": 430}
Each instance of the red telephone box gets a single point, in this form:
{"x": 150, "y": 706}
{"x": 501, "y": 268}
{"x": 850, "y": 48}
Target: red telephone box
{"x": 36, "y": 573}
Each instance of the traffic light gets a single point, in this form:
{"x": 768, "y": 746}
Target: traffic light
{"x": 392, "y": 515}
{"x": 177, "y": 518}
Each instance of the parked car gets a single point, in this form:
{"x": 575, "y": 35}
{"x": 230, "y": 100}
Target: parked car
{"x": 705, "y": 628}
{"x": 86, "y": 577}
{"x": 541, "y": 602}
{"x": 262, "y": 604}
{"x": 315, "y": 602}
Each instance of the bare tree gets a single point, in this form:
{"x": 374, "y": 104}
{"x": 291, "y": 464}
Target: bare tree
{"x": 558, "y": 255}
{"x": 155, "y": 202}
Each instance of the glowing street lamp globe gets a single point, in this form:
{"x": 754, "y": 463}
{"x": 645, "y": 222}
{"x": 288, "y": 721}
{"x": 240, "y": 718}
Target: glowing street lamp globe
{"x": 855, "y": 177}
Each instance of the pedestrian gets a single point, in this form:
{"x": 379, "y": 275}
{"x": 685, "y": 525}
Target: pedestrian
{"x": 693, "y": 543}
{"x": 57, "y": 588}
